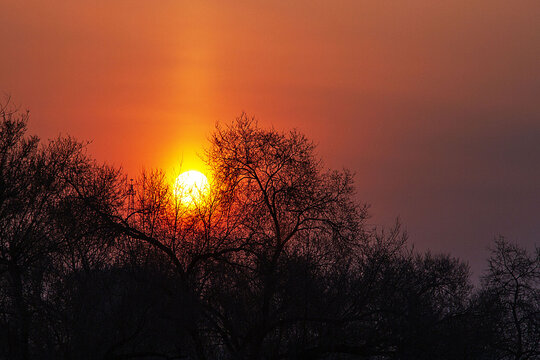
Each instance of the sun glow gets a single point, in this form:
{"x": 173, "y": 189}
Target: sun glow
{"x": 191, "y": 187}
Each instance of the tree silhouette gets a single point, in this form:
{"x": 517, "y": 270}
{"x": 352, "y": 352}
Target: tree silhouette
{"x": 511, "y": 291}
{"x": 45, "y": 229}
{"x": 274, "y": 262}
{"x": 31, "y": 191}
{"x": 271, "y": 208}
{"x": 293, "y": 222}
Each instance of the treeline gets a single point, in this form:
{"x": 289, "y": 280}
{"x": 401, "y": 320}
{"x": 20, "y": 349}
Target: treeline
{"x": 276, "y": 261}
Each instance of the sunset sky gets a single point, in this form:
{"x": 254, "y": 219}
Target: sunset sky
{"x": 435, "y": 105}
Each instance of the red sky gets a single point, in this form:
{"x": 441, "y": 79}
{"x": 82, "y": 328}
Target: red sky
{"x": 433, "y": 104}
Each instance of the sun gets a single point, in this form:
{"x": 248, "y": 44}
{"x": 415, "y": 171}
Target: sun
{"x": 190, "y": 187}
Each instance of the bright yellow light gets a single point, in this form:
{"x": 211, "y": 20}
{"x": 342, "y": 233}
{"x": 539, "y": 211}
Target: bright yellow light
{"x": 190, "y": 187}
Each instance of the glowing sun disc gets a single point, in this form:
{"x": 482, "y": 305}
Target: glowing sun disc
{"x": 190, "y": 187}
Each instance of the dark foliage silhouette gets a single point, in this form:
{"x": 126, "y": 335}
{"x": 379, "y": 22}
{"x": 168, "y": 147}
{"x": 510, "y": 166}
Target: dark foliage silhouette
{"x": 274, "y": 262}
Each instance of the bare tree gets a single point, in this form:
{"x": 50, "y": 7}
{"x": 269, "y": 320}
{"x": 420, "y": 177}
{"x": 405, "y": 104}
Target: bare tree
{"x": 44, "y": 229}
{"x": 273, "y": 220}
{"x": 512, "y": 286}
{"x": 29, "y": 191}
{"x": 287, "y": 211}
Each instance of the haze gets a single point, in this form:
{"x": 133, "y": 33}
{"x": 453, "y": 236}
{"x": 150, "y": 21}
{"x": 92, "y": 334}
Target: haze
{"x": 434, "y": 105}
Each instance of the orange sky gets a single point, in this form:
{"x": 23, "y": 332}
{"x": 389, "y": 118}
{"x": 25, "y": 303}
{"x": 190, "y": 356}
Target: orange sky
{"x": 434, "y": 104}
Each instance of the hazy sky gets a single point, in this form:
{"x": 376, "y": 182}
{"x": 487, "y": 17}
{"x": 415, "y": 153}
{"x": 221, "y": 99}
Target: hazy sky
{"x": 435, "y": 105}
